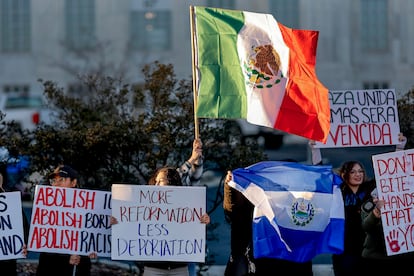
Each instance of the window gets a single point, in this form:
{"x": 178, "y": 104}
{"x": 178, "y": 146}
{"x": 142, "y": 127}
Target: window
{"x": 150, "y": 30}
{"x": 223, "y": 4}
{"x": 374, "y": 25}
{"x": 20, "y": 89}
{"x": 24, "y": 102}
{"x": 80, "y": 24}
{"x": 15, "y": 25}
{"x": 286, "y": 12}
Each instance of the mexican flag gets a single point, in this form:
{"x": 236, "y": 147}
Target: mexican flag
{"x": 247, "y": 65}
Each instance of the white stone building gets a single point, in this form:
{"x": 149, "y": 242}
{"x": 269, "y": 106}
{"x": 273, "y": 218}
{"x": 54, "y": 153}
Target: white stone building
{"x": 362, "y": 43}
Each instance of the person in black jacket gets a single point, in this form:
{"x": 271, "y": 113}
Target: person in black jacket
{"x": 64, "y": 264}
{"x": 239, "y": 213}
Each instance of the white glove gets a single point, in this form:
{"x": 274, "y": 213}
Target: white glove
{"x": 315, "y": 152}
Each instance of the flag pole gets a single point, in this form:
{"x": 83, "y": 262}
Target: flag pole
{"x": 195, "y": 91}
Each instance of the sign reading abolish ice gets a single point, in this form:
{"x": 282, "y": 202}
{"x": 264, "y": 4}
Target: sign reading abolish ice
{"x": 363, "y": 118}
{"x": 158, "y": 223}
{"x": 11, "y": 226}
{"x": 394, "y": 175}
{"x": 298, "y": 211}
{"x": 70, "y": 220}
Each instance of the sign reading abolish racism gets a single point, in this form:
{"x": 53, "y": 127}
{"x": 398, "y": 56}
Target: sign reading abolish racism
{"x": 11, "y": 226}
{"x": 158, "y": 223}
{"x": 362, "y": 118}
{"x": 71, "y": 221}
{"x": 394, "y": 176}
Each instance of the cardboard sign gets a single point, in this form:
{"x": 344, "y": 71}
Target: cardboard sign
{"x": 11, "y": 226}
{"x": 158, "y": 223}
{"x": 362, "y": 118}
{"x": 394, "y": 176}
{"x": 71, "y": 221}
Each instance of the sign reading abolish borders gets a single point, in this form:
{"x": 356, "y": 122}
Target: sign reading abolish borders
{"x": 394, "y": 176}
{"x": 11, "y": 226}
{"x": 362, "y": 118}
{"x": 71, "y": 221}
{"x": 158, "y": 223}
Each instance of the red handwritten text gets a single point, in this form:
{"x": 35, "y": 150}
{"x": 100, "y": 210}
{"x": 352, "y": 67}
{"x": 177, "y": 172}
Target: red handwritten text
{"x": 50, "y": 196}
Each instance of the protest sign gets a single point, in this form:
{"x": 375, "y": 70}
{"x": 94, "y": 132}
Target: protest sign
{"x": 71, "y": 221}
{"x": 362, "y": 118}
{"x": 158, "y": 223}
{"x": 11, "y": 226}
{"x": 394, "y": 175}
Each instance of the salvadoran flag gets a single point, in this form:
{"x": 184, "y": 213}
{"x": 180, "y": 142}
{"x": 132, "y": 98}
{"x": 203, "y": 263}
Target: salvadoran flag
{"x": 250, "y": 66}
{"x": 299, "y": 210}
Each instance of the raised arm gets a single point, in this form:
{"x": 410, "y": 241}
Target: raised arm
{"x": 315, "y": 153}
{"x": 192, "y": 169}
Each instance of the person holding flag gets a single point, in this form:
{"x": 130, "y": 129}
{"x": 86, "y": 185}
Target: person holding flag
{"x": 255, "y": 203}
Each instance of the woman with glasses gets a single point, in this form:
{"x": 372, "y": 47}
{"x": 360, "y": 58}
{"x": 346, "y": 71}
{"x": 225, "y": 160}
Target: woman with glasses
{"x": 355, "y": 190}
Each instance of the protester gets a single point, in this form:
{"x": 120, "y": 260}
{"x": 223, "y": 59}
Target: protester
{"x": 64, "y": 264}
{"x": 376, "y": 261}
{"x": 239, "y": 213}
{"x": 9, "y": 267}
{"x": 168, "y": 176}
{"x": 355, "y": 190}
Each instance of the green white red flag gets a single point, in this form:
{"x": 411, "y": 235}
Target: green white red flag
{"x": 247, "y": 65}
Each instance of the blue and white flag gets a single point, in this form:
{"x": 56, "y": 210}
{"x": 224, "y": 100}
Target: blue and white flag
{"x": 299, "y": 210}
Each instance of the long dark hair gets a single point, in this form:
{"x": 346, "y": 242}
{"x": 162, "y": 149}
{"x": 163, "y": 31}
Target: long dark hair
{"x": 346, "y": 168}
{"x": 172, "y": 174}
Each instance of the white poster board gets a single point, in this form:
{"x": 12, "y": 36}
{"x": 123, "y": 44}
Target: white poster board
{"x": 158, "y": 223}
{"x": 11, "y": 226}
{"x": 361, "y": 118}
{"x": 394, "y": 176}
{"x": 71, "y": 221}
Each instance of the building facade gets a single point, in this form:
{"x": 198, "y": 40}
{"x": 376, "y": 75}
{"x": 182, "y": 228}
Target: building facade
{"x": 363, "y": 44}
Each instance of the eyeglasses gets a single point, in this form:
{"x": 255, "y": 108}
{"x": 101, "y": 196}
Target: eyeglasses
{"x": 57, "y": 180}
{"x": 356, "y": 171}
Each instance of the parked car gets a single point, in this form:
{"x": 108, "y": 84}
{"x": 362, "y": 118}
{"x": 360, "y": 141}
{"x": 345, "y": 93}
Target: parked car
{"x": 25, "y": 110}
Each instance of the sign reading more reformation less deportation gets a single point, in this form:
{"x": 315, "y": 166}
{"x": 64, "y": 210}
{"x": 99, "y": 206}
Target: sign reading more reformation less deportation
{"x": 11, "y": 226}
{"x": 158, "y": 223}
{"x": 394, "y": 175}
{"x": 362, "y": 118}
{"x": 71, "y": 221}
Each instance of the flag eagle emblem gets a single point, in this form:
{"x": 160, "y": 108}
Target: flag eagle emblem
{"x": 262, "y": 67}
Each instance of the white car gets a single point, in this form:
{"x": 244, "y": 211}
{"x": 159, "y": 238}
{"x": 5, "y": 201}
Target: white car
{"x": 26, "y": 110}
